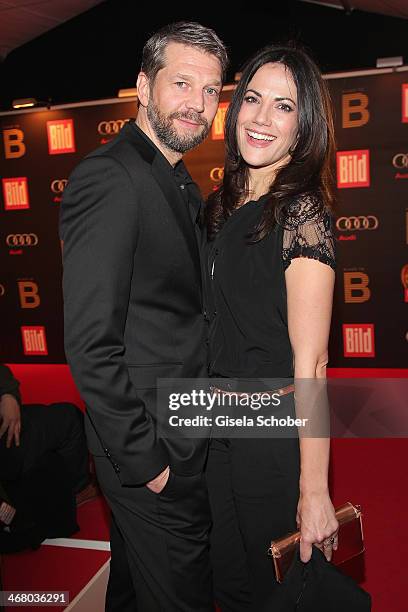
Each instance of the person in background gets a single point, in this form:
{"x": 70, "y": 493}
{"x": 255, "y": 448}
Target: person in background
{"x": 44, "y": 468}
{"x": 32, "y": 433}
{"x": 10, "y": 401}
{"x": 270, "y": 262}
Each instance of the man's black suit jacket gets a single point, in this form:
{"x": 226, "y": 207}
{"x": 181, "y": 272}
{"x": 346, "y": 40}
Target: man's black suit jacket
{"x": 132, "y": 301}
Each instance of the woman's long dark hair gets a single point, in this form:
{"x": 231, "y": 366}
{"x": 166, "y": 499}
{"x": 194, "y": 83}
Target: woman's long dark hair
{"x": 309, "y": 170}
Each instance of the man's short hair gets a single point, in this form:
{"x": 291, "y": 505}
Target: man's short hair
{"x": 186, "y": 33}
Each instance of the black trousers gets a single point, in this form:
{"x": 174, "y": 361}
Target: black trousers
{"x": 253, "y": 489}
{"x": 53, "y": 428}
{"x": 120, "y": 593}
{"x": 159, "y": 543}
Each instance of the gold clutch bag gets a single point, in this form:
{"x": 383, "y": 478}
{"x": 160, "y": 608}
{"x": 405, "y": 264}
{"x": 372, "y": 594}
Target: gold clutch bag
{"x": 350, "y": 541}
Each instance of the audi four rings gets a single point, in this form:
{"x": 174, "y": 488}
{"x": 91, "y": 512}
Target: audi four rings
{"x": 14, "y": 240}
{"x": 58, "y": 185}
{"x": 217, "y": 174}
{"x": 106, "y": 128}
{"x": 347, "y": 224}
{"x": 400, "y": 161}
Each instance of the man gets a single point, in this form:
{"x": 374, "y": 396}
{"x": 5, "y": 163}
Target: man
{"x": 133, "y": 314}
{"x": 10, "y": 400}
{"x": 10, "y": 427}
{"x": 44, "y": 472}
{"x": 36, "y": 430}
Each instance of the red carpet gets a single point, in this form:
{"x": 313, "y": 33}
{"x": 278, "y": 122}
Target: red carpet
{"x": 53, "y": 568}
{"x": 372, "y": 473}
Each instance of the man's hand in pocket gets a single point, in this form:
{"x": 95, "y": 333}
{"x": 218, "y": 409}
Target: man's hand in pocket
{"x": 157, "y": 484}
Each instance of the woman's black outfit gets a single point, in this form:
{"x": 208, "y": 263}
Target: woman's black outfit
{"x": 254, "y": 483}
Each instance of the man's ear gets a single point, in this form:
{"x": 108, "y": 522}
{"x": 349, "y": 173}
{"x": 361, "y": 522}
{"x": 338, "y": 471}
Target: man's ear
{"x": 143, "y": 88}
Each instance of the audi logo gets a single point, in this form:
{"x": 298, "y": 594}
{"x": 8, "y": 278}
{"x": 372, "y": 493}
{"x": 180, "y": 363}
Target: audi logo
{"x": 400, "y": 160}
{"x": 349, "y": 224}
{"x": 58, "y": 185}
{"x": 2, "y": 290}
{"x": 217, "y": 174}
{"x": 19, "y": 240}
{"x": 109, "y": 128}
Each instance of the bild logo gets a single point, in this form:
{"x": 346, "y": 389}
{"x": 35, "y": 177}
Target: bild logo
{"x": 358, "y": 340}
{"x": 405, "y": 103}
{"x": 353, "y": 168}
{"x": 61, "y": 136}
{"x": 404, "y": 281}
{"x": 15, "y": 193}
{"x": 406, "y": 226}
{"x": 217, "y": 130}
{"x": 34, "y": 340}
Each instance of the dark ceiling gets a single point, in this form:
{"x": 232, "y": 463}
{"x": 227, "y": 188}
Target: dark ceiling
{"x": 23, "y": 20}
{"x": 98, "y": 52}
{"x": 395, "y": 8}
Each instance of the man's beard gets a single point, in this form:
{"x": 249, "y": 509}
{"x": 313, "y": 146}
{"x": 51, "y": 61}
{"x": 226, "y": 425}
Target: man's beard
{"x": 167, "y": 133}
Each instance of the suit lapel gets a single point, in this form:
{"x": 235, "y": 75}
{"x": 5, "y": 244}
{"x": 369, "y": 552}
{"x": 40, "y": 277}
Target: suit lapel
{"x": 164, "y": 179}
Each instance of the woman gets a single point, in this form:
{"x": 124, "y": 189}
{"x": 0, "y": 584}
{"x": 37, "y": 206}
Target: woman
{"x": 269, "y": 290}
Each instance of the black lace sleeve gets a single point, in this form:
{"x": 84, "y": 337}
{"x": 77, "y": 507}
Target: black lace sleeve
{"x": 308, "y": 233}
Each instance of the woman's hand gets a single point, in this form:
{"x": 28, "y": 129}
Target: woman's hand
{"x": 318, "y": 525}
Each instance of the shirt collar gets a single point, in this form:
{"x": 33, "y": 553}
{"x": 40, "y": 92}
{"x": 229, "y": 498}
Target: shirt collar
{"x": 179, "y": 171}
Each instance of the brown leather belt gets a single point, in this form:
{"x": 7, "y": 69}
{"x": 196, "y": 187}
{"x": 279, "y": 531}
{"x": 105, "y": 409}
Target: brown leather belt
{"x": 281, "y": 391}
